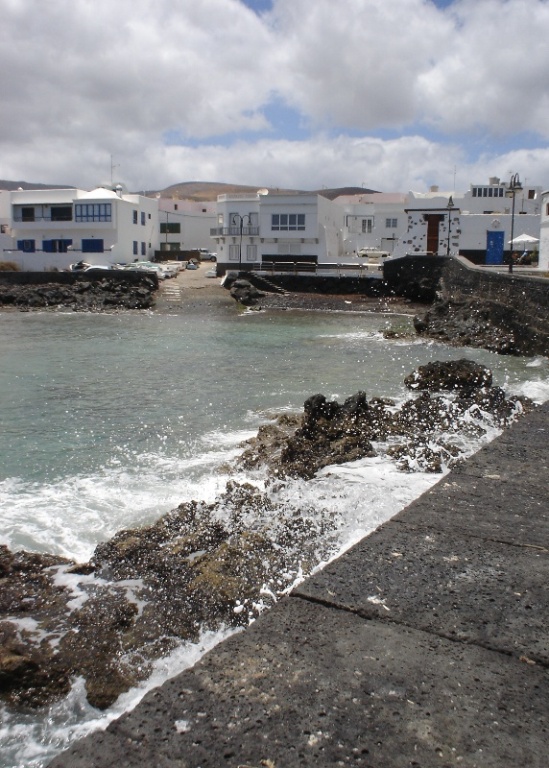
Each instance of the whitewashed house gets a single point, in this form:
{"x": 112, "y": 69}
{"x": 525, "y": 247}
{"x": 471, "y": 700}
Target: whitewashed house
{"x": 185, "y": 224}
{"x": 52, "y": 228}
{"x": 254, "y": 230}
{"x": 478, "y": 224}
{"x": 372, "y": 221}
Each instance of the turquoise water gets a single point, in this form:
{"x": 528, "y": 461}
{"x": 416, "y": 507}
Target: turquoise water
{"x": 108, "y": 421}
{"x": 94, "y": 407}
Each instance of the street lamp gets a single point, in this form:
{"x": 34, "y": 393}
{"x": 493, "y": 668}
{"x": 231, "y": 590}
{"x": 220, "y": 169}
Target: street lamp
{"x": 514, "y": 187}
{"x": 449, "y": 207}
{"x": 238, "y": 219}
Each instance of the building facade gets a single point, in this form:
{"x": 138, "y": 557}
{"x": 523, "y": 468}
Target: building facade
{"x": 283, "y": 229}
{"x": 52, "y": 228}
{"x": 185, "y": 224}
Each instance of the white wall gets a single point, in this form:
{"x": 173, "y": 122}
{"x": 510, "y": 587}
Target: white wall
{"x": 118, "y": 235}
{"x": 195, "y": 220}
{"x": 544, "y": 234}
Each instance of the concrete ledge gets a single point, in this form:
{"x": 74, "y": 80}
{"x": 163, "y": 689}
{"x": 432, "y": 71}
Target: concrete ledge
{"x": 424, "y": 645}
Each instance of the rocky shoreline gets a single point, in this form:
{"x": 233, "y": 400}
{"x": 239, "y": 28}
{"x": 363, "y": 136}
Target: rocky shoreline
{"x": 469, "y": 323}
{"x": 80, "y": 295}
{"x": 203, "y": 566}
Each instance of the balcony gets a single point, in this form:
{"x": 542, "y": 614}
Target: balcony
{"x": 234, "y": 231}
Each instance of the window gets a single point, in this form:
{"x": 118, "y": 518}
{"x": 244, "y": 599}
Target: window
{"x": 367, "y": 226}
{"x": 234, "y": 253}
{"x": 251, "y": 253}
{"x": 135, "y": 217}
{"x": 391, "y": 223}
{"x": 93, "y": 212}
{"x": 27, "y": 213}
{"x": 135, "y": 246}
{"x": 27, "y": 246}
{"x": 56, "y": 246}
{"x": 61, "y": 213}
{"x": 170, "y": 227}
{"x": 531, "y": 194}
{"x": 142, "y": 218}
{"x": 287, "y": 221}
{"x": 92, "y": 245}
{"x": 143, "y": 249}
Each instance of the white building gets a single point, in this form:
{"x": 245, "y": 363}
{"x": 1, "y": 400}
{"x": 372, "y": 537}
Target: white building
{"x": 478, "y": 223}
{"x": 259, "y": 229}
{"x": 482, "y": 221}
{"x": 53, "y": 228}
{"x": 374, "y": 220}
{"x": 185, "y": 224}
{"x": 544, "y": 233}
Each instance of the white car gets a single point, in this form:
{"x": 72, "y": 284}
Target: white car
{"x": 149, "y": 266}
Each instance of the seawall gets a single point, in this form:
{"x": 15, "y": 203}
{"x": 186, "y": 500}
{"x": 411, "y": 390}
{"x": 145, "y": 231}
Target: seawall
{"x": 424, "y": 645}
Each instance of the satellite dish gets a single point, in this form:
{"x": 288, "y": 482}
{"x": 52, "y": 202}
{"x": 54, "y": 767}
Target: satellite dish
{"x": 262, "y": 191}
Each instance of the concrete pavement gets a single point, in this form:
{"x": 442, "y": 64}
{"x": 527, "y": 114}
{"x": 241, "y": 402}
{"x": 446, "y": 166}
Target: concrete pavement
{"x": 425, "y": 645}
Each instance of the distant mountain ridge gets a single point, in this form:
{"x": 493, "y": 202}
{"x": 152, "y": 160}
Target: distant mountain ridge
{"x": 207, "y": 191}
{"x": 11, "y": 186}
{"x": 203, "y": 191}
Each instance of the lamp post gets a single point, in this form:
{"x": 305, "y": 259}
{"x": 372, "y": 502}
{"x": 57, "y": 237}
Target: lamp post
{"x": 238, "y": 219}
{"x": 514, "y": 187}
{"x": 449, "y": 207}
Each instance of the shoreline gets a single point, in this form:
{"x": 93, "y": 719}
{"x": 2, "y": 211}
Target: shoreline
{"x": 193, "y": 284}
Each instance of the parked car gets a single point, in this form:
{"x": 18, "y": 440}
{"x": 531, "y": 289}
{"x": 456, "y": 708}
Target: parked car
{"x": 206, "y": 255}
{"x": 212, "y": 272}
{"x": 174, "y": 266}
{"x": 191, "y": 265}
{"x": 149, "y": 266}
{"x": 83, "y": 266}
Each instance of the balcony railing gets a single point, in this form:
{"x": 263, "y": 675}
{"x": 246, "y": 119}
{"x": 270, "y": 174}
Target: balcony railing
{"x": 32, "y": 219}
{"x": 234, "y": 231}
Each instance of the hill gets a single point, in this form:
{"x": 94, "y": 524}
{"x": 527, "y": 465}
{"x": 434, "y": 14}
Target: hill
{"x": 207, "y": 191}
{"x": 203, "y": 191}
{"x": 13, "y": 185}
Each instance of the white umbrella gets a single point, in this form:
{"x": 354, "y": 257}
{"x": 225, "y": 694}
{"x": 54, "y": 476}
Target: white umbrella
{"x": 524, "y": 239}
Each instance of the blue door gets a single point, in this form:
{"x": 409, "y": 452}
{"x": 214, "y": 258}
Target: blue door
{"x": 494, "y": 247}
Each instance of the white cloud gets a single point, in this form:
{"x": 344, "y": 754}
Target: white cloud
{"x": 81, "y": 80}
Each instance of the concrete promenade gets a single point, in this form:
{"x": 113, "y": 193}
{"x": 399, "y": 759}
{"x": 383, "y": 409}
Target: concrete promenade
{"x": 425, "y": 645}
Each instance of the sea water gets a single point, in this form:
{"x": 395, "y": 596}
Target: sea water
{"x": 107, "y": 421}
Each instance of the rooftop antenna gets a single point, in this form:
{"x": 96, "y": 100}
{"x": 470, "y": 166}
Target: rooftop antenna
{"x": 113, "y": 166}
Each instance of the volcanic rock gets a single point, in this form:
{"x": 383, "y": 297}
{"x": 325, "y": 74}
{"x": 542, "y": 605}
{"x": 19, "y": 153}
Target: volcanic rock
{"x": 482, "y": 324}
{"x": 449, "y": 375}
{"x": 203, "y": 566}
{"x": 245, "y": 293}
{"x": 81, "y": 295}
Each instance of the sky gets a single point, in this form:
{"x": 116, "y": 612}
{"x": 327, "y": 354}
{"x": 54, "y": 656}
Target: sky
{"x": 392, "y": 95}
